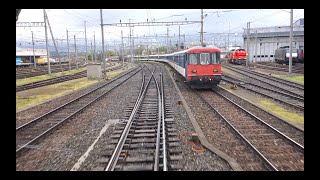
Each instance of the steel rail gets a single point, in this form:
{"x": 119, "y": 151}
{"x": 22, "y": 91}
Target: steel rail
{"x": 262, "y": 157}
{"x": 277, "y": 132}
{"x": 156, "y": 163}
{"x": 116, "y": 153}
{"x": 50, "y": 112}
{"x": 164, "y": 146}
{"x": 277, "y": 99}
{"x": 19, "y": 150}
{"x": 291, "y": 84}
{"x": 266, "y": 88}
{"x": 58, "y": 79}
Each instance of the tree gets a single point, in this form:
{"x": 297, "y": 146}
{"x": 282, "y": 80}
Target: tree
{"x": 110, "y": 53}
{"x": 90, "y": 56}
{"x": 163, "y": 49}
{"x": 138, "y": 51}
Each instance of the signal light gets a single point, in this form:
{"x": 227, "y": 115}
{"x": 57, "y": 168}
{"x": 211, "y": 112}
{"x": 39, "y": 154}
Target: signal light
{"x": 194, "y": 71}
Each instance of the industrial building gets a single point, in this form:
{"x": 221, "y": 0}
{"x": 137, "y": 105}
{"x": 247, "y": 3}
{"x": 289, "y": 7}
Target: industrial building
{"x": 264, "y": 41}
{"x": 26, "y": 54}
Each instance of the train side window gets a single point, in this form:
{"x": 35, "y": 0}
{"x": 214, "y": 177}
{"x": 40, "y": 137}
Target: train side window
{"x": 204, "y": 58}
{"x": 218, "y": 57}
{"x": 193, "y": 59}
{"x": 181, "y": 60}
{"x": 215, "y": 58}
{"x": 176, "y": 59}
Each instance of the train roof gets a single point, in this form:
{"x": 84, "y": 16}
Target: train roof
{"x": 198, "y": 49}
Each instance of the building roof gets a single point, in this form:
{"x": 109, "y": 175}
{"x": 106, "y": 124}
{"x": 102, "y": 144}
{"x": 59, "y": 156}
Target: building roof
{"x": 275, "y": 34}
{"x": 30, "y": 53}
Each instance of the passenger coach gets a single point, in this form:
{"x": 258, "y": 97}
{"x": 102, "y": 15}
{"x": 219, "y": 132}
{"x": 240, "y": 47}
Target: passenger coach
{"x": 200, "y": 66}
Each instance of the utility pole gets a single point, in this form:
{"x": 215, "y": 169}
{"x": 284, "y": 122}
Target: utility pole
{"x": 290, "y": 41}
{"x": 46, "y": 33}
{"x": 91, "y": 53}
{"x": 167, "y": 39}
{"x": 225, "y": 43}
{"x": 68, "y": 51}
{"x": 133, "y": 43}
{"x": 179, "y": 39}
{"x": 248, "y": 32}
{"x": 103, "y": 58}
{"x": 130, "y": 40}
{"x": 75, "y": 51}
{"x": 122, "y": 50}
{"x": 85, "y": 34}
{"x": 260, "y": 49}
{"x": 94, "y": 46}
{"x": 34, "y": 57}
{"x": 129, "y": 46}
{"x": 114, "y": 46}
{"x": 256, "y": 46}
{"x": 201, "y": 34}
{"x": 148, "y": 50}
{"x": 184, "y": 41}
{"x": 228, "y": 36}
{"x": 54, "y": 42}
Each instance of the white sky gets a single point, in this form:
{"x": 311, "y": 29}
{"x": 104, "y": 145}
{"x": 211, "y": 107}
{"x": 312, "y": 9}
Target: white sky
{"x": 216, "y": 21}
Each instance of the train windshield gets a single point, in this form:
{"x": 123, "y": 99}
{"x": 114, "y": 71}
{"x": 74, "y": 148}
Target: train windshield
{"x": 215, "y": 58}
{"x": 204, "y": 58}
{"x": 293, "y": 50}
{"x": 193, "y": 59}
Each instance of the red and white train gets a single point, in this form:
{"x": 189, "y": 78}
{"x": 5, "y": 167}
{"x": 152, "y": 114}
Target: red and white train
{"x": 200, "y": 66}
{"x": 237, "y": 56}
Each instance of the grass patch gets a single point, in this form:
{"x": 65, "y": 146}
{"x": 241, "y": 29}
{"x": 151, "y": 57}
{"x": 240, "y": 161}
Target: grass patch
{"x": 229, "y": 72}
{"x": 38, "y": 95}
{"x": 280, "y": 111}
{"x": 294, "y": 78}
{"x": 47, "y": 76}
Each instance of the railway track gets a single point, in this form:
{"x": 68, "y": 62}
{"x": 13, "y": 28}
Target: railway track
{"x": 59, "y": 79}
{"x": 31, "y": 72}
{"x": 275, "y": 149}
{"x": 296, "y": 102}
{"x": 27, "y": 135}
{"x": 277, "y": 67}
{"x": 283, "y": 85}
{"x": 145, "y": 140}
{"x": 290, "y": 130}
{"x": 217, "y": 131}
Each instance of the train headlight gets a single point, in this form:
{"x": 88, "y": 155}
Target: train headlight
{"x": 215, "y": 70}
{"x": 194, "y": 71}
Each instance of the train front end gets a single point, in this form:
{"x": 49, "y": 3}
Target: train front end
{"x": 203, "y": 70}
{"x": 239, "y": 56}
